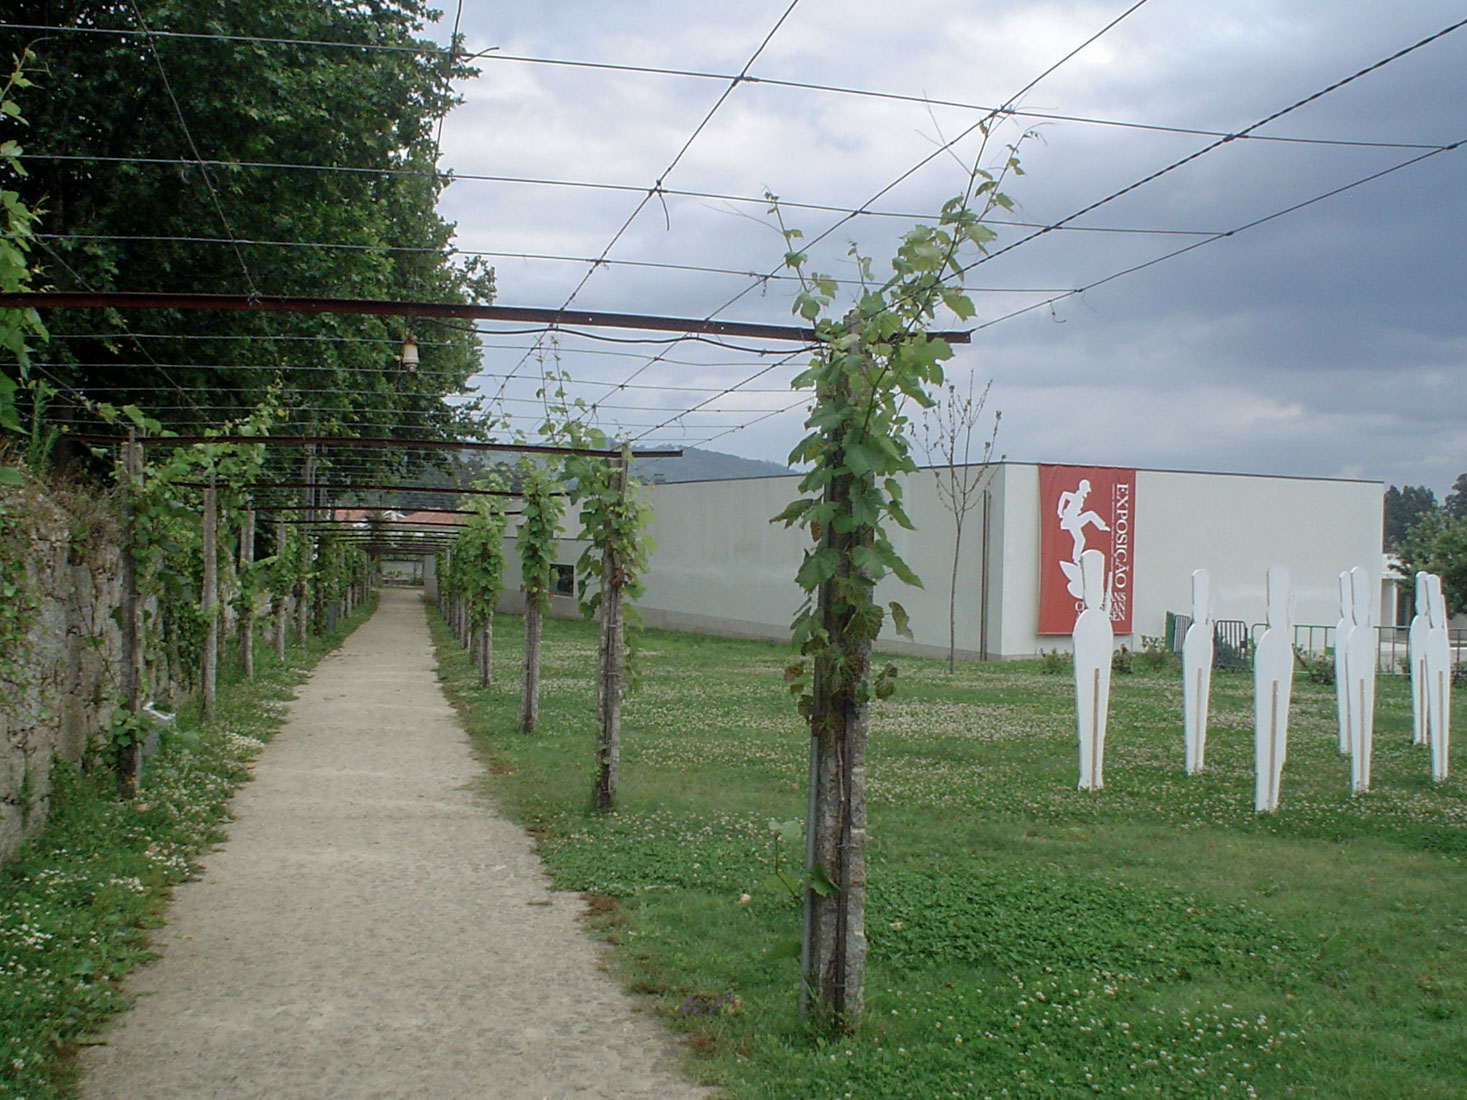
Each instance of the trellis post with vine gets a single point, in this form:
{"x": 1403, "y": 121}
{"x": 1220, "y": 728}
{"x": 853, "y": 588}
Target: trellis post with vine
{"x": 280, "y": 586}
{"x": 611, "y": 670}
{"x": 613, "y": 523}
{"x": 209, "y": 601}
{"x": 247, "y": 594}
{"x": 865, "y": 369}
{"x": 539, "y": 531}
{"x": 130, "y": 471}
{"x": 478, "y": 556}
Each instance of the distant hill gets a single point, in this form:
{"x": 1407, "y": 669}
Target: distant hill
{"x": 700, "y": 465}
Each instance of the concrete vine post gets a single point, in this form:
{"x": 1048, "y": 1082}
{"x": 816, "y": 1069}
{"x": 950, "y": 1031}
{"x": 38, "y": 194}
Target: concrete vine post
{"x": 611, "y": 669}
{"x": 864, "y": 371}
{"x": 301, "y": 590}
{"x": 486, "y": 651}
{"x": 530, "y": 668}
{"x": 209, "y": 602}
{"x": 833, "y": 953}
{"x": 614, "y": 520}
{"x": 476, "y": 578}
{"x": 539, "y": 531}
{"x": 282, "y": 594}
{"x": 130, "y": 763}
{"x": 247, "y": 605}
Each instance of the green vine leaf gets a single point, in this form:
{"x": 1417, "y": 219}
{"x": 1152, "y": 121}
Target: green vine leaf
{"x": 820, "y": 881}
{"x": 899, "y": 621}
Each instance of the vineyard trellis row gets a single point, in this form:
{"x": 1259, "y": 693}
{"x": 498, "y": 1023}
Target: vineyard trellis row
{"x": 179, "y": 565}
{"x": 614, "y": 519}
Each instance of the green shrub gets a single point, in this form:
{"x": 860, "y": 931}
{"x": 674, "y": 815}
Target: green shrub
{"x": 1054, "y": 662}
{"x": 1155, "y": 656}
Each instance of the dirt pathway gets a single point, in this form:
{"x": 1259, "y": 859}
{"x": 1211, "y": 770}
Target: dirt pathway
{"x": 373, "y": 929}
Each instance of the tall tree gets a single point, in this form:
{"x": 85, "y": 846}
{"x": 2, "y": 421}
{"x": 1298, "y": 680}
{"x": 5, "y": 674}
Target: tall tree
{"x": 17, "y": 230}
{"x": 1404, "y": 508}
{"x": 1438, "y": 544}
{"x": 1455, "y": 504}
{"x": 150, "y": 157}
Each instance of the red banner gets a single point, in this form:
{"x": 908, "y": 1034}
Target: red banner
{"x": 1084, "y": 508}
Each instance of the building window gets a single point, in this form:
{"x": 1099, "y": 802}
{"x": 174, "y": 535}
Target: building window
{"x": 563, "y": 580}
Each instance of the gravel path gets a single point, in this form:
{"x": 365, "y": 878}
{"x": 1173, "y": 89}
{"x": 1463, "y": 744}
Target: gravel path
{"x": 372, "y": 928}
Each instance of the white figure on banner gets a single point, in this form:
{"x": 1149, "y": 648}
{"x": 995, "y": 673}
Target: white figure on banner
{"x": 1197, "y": 653}
{"x": 1416, "y": 656}
{"x": 1342, "y": 653}
{"x": 1273, "y": 682}
{"x": 1439, "y": 677}
{"x": 1093, "y": 638}
{"x": 1074, "y": 517}
{"x": 1360, "y": 671}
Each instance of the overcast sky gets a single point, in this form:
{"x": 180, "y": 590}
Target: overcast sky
{"x": 1331, "y": 341}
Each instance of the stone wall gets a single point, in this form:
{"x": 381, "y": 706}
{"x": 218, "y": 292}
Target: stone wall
{"x": 67, "y": 662}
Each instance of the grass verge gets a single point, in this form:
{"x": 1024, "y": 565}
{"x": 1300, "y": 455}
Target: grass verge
{"x": 76, "y": 902}
{"x": 1026, "y": 938}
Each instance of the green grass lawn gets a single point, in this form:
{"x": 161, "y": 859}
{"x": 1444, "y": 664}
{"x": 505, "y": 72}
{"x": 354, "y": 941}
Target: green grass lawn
{"x": 1026, "y": 938}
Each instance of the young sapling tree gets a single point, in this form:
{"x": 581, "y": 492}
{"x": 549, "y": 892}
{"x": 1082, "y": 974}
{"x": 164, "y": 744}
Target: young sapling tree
{"x": 947, "y": 441}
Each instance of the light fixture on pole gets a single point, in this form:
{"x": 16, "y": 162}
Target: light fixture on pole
{"x": 409, "y": 354}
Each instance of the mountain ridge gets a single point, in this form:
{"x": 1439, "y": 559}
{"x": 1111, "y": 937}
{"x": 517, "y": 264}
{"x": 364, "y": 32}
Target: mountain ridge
{"x": 698, "y": 464}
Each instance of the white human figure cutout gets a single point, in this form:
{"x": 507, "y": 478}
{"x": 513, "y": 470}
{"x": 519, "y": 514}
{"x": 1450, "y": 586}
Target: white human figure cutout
{"x": 1197, "y": 672}
{"x": 1073, "y": 518}
{"x": 1360, "y": 671}
{"x": 1439, "y": 679}
{"x": 1093, "y": 638}
{"x": 1273, "y": 682}
{"x": 1343, "y": 628}
{"x": 1416, "y": 656}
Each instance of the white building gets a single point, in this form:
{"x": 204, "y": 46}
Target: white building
{"x": 721, "y": 567}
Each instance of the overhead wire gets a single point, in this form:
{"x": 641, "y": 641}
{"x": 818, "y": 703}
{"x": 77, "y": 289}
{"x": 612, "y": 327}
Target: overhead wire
{"x": 1290, "y": 209}
{"x": 453, "y": 40}
{"x": 657, "y": 187}
{"x": 865, "y": 210}
{"x": 244, "y": 39}
{"x": 1220, "y": 142}
{"x": 494, "y": 54}
{"x": 1431, "y": 150}
{"x": 142, "y": 349}
{"x": 193, "y": 147}
{"x": 176, "y": 387}
{"x": 980, "y": 125}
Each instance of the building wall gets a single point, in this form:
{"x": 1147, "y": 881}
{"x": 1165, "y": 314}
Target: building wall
{"x": 1238, "y": 526}
{"x": 719, "y": 566}
{"x": 512, "y": 600}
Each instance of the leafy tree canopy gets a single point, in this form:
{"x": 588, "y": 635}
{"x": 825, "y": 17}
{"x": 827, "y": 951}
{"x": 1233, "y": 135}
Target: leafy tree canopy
{"x": 1404, "y": 508}
{"x": 1438, "y": 544}
{"x": 112, "y": 115}
{"x": 1456, "y": 503}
